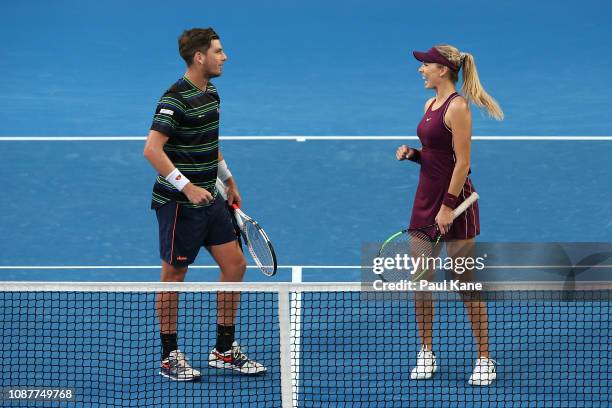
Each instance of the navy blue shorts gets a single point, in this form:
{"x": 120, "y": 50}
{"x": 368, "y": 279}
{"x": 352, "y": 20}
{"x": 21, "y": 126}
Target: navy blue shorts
{"x": 184, "y": 230}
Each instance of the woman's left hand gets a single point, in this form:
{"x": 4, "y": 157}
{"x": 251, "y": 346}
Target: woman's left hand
{"x": 444, "y": 219}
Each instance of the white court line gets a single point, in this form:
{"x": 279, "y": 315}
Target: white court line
{"x": 78, "y": 267}
{"x": 73, "y": 267}
{"x": 294, "y": 138}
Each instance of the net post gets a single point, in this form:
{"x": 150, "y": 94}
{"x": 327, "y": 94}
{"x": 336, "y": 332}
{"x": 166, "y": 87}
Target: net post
{"x": 284, "y": 324}
{"x": 296, "y": 333}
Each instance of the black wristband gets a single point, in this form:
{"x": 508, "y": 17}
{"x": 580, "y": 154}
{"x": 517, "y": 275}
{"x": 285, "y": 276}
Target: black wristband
{"x": 415, "y": 156}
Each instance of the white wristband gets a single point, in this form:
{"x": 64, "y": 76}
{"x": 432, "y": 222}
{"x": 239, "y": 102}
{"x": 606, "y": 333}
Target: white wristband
{"x": 223, "y": 172}
{"x": 177, "y": 179}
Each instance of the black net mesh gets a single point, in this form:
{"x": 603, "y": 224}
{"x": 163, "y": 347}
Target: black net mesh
{"x": 552, "y": 350}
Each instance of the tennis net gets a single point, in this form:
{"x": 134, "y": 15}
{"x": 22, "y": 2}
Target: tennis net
{"x": 324, "y": 345}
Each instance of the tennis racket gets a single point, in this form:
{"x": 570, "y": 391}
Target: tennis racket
{"x": 257, "y": 240}
{"x": 416, "y": 243}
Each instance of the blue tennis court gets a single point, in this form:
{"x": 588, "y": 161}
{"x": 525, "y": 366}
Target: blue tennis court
{"x": 334, "y": 182}
{"x": 76, "y": 75}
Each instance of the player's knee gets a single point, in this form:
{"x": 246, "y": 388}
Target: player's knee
{"x": 235, "y": 271}
{"x": 240, "y": 267}
{"x": 172, "y": 273}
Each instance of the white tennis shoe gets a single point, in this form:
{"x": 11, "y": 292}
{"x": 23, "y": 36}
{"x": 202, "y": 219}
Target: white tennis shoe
{"x": 484, "y": 372}
{"x": 177, "y": 368}
{"x": 426, "y": 365}
{"x": 235, "y": 359}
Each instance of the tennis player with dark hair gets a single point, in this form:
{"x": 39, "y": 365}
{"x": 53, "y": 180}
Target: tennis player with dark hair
{"x": 445, "y": 132}
{"x": 183, "y": 147}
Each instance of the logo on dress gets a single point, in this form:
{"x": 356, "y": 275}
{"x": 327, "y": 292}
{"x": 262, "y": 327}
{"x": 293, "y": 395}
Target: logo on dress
{"x": 427, "y": 120}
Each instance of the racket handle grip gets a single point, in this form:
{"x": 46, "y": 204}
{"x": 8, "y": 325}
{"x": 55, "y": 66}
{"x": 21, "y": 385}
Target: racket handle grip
{"x": 235, "y": 206}
{"x": 465, "y": 204}
{"x": 221, "y": 188}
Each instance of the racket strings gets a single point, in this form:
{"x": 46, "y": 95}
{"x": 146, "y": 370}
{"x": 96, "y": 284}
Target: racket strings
{"x": 259, "y": 247}
{"x": 408, "y": 245}
{"x": 422, "y": 245}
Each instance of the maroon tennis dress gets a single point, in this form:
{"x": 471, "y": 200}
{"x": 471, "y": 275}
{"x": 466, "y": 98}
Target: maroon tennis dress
{"x": 437, "y": 160}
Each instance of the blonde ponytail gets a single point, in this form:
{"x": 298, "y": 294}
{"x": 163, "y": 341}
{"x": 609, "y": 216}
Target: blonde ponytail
{"x": 473, "y": 91}
{"x": 471, "y": 88}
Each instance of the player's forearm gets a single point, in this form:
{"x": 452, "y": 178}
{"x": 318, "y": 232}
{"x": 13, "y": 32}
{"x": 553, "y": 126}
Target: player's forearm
{"x": 460, "y": 173}
{"x": 223, "y": 171}
{"x": 159, "y": 160}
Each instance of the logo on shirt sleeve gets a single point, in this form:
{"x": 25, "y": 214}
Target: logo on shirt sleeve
{"x": 166, "y": 111}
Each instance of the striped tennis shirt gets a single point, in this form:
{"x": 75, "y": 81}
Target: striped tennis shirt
{"x": 189, "y": 117}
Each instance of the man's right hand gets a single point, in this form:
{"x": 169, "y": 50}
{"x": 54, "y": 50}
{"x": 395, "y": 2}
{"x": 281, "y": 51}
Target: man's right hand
{"x": 197, "y": 195}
